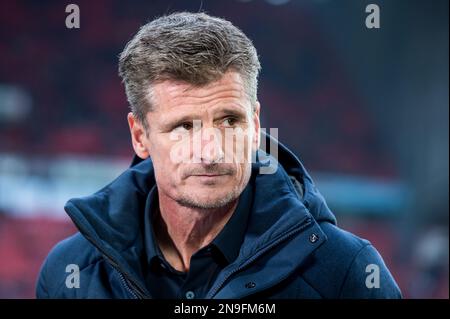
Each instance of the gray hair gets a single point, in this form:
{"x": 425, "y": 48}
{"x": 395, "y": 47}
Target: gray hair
{"x": 195, "y": 48}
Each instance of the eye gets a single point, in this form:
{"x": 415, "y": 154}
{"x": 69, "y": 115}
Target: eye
{"x": 230, "y": 121}
{"x": 183, "y": 127}
{"x": 186, "y": 126}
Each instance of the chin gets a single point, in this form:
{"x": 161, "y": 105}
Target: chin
{"x": 208, "y": 199}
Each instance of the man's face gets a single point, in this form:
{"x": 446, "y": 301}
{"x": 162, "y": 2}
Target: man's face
{"x": 200, "y": 140}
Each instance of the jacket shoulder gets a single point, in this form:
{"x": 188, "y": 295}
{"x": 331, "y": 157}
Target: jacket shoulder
{"x": 347, "y": 266}
{"x": 74, "y": 251}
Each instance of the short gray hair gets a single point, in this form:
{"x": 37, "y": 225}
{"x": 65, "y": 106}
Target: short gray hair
{"x": 195, "y": 48}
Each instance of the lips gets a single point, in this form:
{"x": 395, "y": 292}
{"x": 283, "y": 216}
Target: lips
{"x": 209, "y": 179}
{"x": 209, "y": 175}
{"x": 209, "y": 172}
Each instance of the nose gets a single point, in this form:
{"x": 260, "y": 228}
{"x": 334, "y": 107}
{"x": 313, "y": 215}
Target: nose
{"x": 210, "y": 149}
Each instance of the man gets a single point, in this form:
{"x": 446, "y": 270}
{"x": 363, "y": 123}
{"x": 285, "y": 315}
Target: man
{"x": 196, "y": 215}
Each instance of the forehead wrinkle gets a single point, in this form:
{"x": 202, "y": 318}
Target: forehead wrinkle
{"x": 175, "y": 92}
{"x": 205, "y": 96}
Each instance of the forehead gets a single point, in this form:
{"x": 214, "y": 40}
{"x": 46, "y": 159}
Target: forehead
{"x": 171, "y": 95}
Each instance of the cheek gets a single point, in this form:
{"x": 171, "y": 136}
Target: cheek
{"x": 160, "y": 148}
{"x": 243, "y": 173}
{"x": 165, "y": 169}
{"x": 237, "y": 147}
{"x": 167, "y": 177}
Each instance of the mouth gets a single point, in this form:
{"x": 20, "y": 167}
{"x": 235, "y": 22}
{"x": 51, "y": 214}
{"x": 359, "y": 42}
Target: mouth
{"x": 209, "y": 178}
{"x": 208, "y": 175}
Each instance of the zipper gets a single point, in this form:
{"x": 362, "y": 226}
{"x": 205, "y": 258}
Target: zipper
{"x": 126, "y": 285}
{"x": 302, "y": 226}
{"x": 127, "y": 281}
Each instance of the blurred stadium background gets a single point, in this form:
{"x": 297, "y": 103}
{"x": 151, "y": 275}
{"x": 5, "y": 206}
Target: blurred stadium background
{"x": 365, "y": 109}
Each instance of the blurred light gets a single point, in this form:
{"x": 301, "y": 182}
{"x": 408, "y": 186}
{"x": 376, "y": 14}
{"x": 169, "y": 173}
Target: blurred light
{"x": 33, "y": 186}
{"x": 15, "y": 103}
{"x": 363, "y": 195}
{"x": 277, "y": 2}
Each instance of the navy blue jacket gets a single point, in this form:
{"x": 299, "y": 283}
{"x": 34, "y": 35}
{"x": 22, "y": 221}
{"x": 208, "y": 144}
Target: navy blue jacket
{"x": 292, "y": 247}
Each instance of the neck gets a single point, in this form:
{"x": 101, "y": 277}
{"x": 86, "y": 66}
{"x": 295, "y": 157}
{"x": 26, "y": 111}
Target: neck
{"x": 181, "y": 231}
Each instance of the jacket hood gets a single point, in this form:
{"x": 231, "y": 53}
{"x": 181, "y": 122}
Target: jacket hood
{"x": 112, "y": 219}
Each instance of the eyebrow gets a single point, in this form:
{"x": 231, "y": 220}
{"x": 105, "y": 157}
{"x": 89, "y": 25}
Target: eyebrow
{"x": 236, "y": 112}
{"x": 170, "y": 123}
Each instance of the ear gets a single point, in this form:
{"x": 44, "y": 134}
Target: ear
{"x": 257, "y": 126}
{"x": 138, "y": 136}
